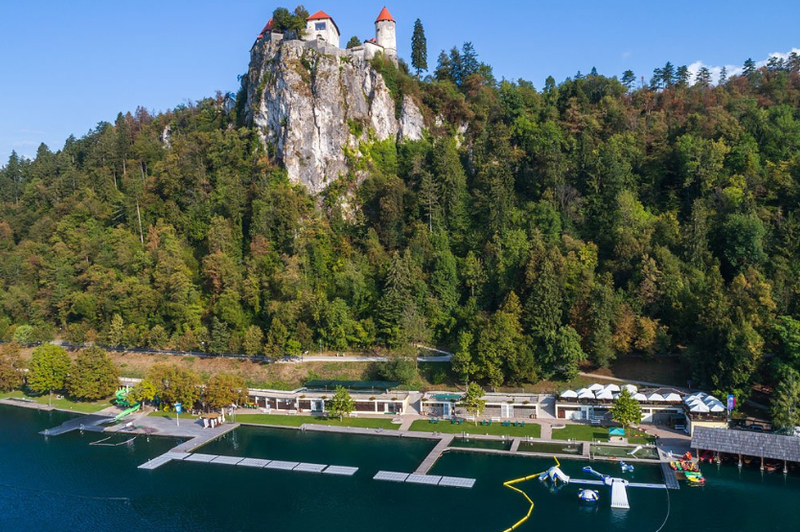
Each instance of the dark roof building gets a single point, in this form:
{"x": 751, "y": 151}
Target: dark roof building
{"x": 774, "y": 446}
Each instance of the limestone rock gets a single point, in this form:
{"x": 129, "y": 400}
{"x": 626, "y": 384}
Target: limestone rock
{"x": 312, "y": 103}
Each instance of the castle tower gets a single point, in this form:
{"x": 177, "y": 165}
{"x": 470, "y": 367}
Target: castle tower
{"x": 386, "y": 34}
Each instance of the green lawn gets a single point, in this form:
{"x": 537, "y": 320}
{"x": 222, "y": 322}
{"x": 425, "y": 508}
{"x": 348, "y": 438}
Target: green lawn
{"x": 296, "y": 421}
{"x": 86, "y": 407}
{"x": 639, "y": 437}
{"x": 589, "y": 433}
{"x": 495, "y": 429}
{"x": 581, "y": 433}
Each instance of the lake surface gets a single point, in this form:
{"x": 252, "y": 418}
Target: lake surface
{"x": 63, "y": 483}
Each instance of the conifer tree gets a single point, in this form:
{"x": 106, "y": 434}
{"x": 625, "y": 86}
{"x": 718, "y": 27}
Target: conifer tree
{"x": 628, "y": 78}
{"x": 419, "y": 48}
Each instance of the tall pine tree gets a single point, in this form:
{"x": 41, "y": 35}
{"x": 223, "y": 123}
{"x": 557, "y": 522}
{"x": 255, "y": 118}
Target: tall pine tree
{"x": 419, "y": 48}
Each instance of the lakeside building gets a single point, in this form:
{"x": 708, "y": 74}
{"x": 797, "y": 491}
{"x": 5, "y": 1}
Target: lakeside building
{"x": 743, "y": 445}
{"x": 498, "y": 405}
{"x": 660, "y": 406}
{"x": 370, "y": 397}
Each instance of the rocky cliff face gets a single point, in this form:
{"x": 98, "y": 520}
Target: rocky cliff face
{"x": 312, "y": 103}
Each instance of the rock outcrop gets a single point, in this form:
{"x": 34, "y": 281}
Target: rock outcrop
{"x": 313, "y": 104}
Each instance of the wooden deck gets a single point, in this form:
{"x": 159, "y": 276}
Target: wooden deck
{"x": 434, "y": 455}
{"x": 670, "y": 479}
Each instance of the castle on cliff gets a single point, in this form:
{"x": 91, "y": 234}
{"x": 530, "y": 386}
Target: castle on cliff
{"x": 323, "y": 31}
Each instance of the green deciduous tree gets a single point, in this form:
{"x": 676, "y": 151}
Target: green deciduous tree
{"x": 94, "y": 375}
{"x": 786, "y": 399}
{"x": 399, "y": 369}
{"x": 48, "y": 369}
{"x": 341, "y": 404}
{"x": 253, "y": 343}
{"x": 462, "y": 363}
{"x": 174, "y": 384}
{"x": 11, "y": 375}
{"x": 223, "y": 390}
{"x": 626, "y": 410}
{"x": 473, "y": 400}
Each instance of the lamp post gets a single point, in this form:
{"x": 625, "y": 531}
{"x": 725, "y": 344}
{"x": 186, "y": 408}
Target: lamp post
{"x": 178, "y": 408}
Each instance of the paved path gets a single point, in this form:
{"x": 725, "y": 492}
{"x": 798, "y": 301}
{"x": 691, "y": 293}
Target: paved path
{"x": 547, "y": 431}
{"x": 407, "y": 421}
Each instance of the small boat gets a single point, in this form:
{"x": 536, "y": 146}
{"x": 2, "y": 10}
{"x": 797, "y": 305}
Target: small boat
{"x": 588, "y": 496}
{"x": 771, "y": 467}
{"x": 695, "y": 478}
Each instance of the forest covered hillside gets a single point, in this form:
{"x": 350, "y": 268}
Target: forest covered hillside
{"x": 529, "y": 230}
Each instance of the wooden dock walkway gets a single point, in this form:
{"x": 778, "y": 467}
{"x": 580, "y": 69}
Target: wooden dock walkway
{"x": 90, "y": 422}
{"x": 205, "y": 437}
{"x": 434, "y": 455}
{"x": 670, "y": 479}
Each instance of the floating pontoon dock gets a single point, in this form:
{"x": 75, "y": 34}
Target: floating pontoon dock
{"x": 431, "y": 480}
{"x": 257, "y": 463}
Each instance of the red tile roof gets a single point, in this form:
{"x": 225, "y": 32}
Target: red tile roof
{"x": 320, "y": 15}
{"x": 385, "y": 15}
{"x": 269, "y": 25}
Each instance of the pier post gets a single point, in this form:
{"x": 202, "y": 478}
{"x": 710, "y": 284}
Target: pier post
{"x": 785, "y": 468}
{"x": 740, "y": 461}
{"x": 762, "y": 463}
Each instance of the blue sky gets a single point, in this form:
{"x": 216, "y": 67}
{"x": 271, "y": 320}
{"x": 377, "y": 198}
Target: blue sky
{"x": 67, "y": 65}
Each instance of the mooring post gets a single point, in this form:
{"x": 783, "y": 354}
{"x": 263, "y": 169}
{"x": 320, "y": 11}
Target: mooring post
{"x": 762, "y": 463}
{"x": 740, "y": 460}
{"x": 785, "y": 468}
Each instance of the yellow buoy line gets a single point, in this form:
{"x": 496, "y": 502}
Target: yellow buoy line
{"x": 510, "y": 485}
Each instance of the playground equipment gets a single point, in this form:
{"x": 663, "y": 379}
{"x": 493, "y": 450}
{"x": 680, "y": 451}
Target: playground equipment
{"x": 121, "y": 398}
{"x": 635, "y": 450}
{"x": 588, "y": 496}
{"x": 626, "y": 468}
{"x": 554, "y": 475}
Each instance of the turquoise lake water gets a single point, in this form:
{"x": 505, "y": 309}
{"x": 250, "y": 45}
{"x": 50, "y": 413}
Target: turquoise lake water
{"x": 63, "y": 483}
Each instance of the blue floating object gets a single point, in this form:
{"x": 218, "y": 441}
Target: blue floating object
{"x": 588, "y": 496}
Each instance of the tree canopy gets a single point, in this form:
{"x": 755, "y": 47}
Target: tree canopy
{"x": 48, "y": 369}
{"x": 533, "y": 229}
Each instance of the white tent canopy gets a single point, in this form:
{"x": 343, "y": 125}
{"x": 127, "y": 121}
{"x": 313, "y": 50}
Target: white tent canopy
{"x": 672, "y": 398}
{"x": 611, "y": 388}
{"x": 640, "y": 397}
{"x": 700, "y": 407}
{"x": 717, "y": 408}
{"x": 655, "y": 398}
{"x": 585, "y": 394}
{"x": 604, "y": 394}
{"x": 630, "y": 387}
{"x": 595, "y": 387}
{"x": 569, "y": 394}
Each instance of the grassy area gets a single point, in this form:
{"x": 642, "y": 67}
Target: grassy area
{"x": 590, "y": 433}
{"x": 296, "y": 421}
{"x": 639, "y": 437}
{"x": 63, "y": 403}
{"x": 581, "y": 433}
{"x": 495, "y": 429}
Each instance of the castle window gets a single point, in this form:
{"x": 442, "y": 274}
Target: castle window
{"x": 319, "y": 26}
